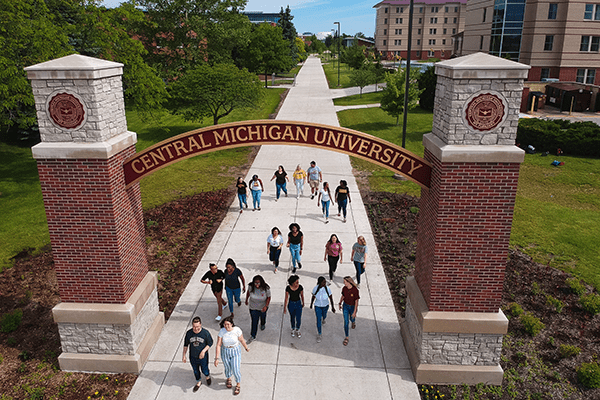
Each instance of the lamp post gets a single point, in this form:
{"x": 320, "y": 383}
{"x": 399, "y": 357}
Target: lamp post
{"x": 338, "y": 24}
{"x": 407, "y": 71}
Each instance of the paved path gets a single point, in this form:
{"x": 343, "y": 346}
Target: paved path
{"x": 343, "y": 108}
{"x": 337, "y": 93}
{"x": 373, "y": 366}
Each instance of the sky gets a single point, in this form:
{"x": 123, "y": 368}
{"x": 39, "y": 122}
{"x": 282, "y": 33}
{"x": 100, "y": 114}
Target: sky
{"x": 317, "y": 15}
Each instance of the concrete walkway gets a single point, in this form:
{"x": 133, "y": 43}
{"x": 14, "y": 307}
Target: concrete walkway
{"x": 343, "y": 108}
{"x": 373, "y": 366}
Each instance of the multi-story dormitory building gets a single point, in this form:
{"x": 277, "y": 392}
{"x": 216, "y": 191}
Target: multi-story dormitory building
{"x": 434, "y": 24}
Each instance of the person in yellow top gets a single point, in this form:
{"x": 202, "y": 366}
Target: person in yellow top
{"x": 299, "y": 179}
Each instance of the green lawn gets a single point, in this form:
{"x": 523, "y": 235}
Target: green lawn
{"x": 366, "y": 98}
{"x": 557, "y": 210}
{"x": 23, "y": 222}
{"x": 331, "y": 72}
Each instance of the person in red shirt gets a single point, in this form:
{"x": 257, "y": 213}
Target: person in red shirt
{"x": 349, "y": 300}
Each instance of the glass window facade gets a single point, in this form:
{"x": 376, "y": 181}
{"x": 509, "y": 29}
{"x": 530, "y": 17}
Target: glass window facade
{"x": 552, "y": 9}
{"x": 507, "y": 28}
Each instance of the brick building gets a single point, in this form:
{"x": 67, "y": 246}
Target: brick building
{"x": 559, "y": 40}
{"x": 434, "y": 23}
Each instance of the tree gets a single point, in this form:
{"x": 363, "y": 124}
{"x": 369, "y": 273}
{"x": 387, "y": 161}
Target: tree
{"x": 392, "y": 100}
{"x": 362, "y": 77}
{"x": 354, "y": 56}
{"x": 289, "y": 32}
{"x": 301, "y": 49}
{"x": 378, "y": 72}
{"x": 427, "y": 82}
{"x": 28, "y": 36}
{"x": 268, "y": 51}
{"x": 180, "y": 34}
{"x": 214, "y": 91}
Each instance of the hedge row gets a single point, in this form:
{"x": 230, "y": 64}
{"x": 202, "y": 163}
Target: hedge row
{"x": 573, "y": 138}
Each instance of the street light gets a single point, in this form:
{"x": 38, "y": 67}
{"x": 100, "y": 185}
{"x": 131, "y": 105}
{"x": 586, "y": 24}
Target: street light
{"x": 407, "y": 71}
{"x": 338, "y": 24}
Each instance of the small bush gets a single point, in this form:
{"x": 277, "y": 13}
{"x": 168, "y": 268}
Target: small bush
{"x": 414, "y": 210}
{"x": 556, "y": 303}
{"x": 515, "y": 309}
{"x": 532, "y": 325}
{"x": 576, "y": 286}
{"x": 588, "y": 375}
{"x": 535, "y": 289}
{"x": 590, "y": 303}
{"x": 11, "y": 321}
{"x": 566, "y": 350}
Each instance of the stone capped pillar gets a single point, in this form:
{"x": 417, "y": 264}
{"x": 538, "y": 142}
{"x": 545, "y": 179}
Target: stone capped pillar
{"x": 108, "y": 319}
{"x": 454, "y": 325}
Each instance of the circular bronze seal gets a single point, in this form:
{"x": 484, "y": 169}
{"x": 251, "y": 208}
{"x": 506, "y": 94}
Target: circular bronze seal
{"x": 66, "y": 111}
{"x": 484, "y": 112}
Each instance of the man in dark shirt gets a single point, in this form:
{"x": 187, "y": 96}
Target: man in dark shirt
{"x": 199, "y": 341}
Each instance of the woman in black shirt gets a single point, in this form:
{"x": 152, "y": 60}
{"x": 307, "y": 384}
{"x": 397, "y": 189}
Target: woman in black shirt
{"x": 280, "y": 177}
{"x": 295, "y": 243}
{"x": 294, "y": 301}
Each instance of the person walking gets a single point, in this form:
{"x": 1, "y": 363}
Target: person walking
{"x": 258, "y": 298}
{"x": 299, "y": 176}
{"x": 333, "y": 254}
{"x": 359, "y": 257}
{"x": 321, "y": 298}
{"x": 198, "y": 340}
{"x": 342, "y": 196}
{"x": 242, "y": 189}
{"x": 228, "y": 348}
{"x": 280, "y": 177}
{"x": 324, "y": 199}
{"x": 315, "y": 177}
{"x": 295, "y": 242}
{"x": 256, "y": 188}
{"x": 214, "y": 277}
{"x": 274, "y": 245}
{"x": 294, "y": 302}
{"x": 233, "y": 275}
{"x": 349, "y": 300}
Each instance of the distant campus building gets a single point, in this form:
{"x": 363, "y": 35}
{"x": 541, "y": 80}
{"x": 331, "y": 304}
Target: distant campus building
{"x": 258, "y": 17}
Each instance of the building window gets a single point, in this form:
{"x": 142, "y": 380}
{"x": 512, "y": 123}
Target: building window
{"x": 398, "y": 42}
{"x": 445, "y": 20}
{"x": 397, "y": 10}
{"x": 433, "y": 20}
{"x": 385, "y": 10}
{"x": 590, "y": 43}
{"x": 433, "y": 31}
{"x": 454, "y": 20}
{"x": 418, "y": 42}
{"x": 589, "y": 11}
{"x": 443, "y": 41}
{"x": 418, "y": 31}
{"x": 384, "y": 42}
{"x": 545, "y": 74}
{"x": 548, "y": 42}
{"x": 401, "y": 10}
{"x": 552, "y": 8}
{"x": 385, "y": 31}
{"x": 398, "y": 20}
{"x": 455, "y": 9}
{"x": 430, "y": 53}
{"x": 431, "y": 41}
{"x": 453, "y": 31}
{"x": 435, "y": 9}
{"x": 385, "y": 21}
{"x": 586, "y": 76}
{"x": 484, "y": 13}
{"x": 445, "y": 30}
{"x": 480, "y": 42}
{"x": 420, "y": 10}
{"x": 446, "y": 9}
{"x": 420, "y": 20}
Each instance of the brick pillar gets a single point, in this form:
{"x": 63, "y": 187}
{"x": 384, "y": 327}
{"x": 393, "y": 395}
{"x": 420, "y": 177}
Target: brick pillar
{"x": 108, "y": 319}
{"x": 454, "y": 325}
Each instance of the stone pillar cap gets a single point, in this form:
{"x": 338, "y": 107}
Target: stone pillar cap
{"x": 74, "y": 66}
{"x": 481, "y": 66}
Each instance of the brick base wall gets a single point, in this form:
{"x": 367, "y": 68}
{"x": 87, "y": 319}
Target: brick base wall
{"x": 464, "y": 228}
{"x": 96, "y": 228}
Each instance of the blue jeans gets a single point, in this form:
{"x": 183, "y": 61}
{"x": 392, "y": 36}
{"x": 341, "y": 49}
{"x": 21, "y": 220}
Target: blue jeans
{"x": 255, "y": 315}
{"x": 295, "y": 309}
{"x": 256, "y": 198}
{"x": 280, "y": 187}
{"x": 230, "y": 295}
{"x": 295, "y": 251}
{"x": 200, "y": 364}
{"x": 325, "y": 206}
{"x": 274, "y": 253}
{"x": 342, "y": 207}
{"x": 242, "y": 199}
{"x": 299, "y": 186}
{"x": 321, "y": 313}
{"x": 360, "y": 269}
{"x": 348, "y": 311}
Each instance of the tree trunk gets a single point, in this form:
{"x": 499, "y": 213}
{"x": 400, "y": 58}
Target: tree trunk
{"x": 265, "y": 79}
{"x": 397, "y": 119}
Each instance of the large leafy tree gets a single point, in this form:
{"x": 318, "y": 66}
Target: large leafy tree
{"x": 362, "y": 77}
{"x": 427, "y": 82}
{"x": 214, "y": 91}
{"x": 183, "y": 33}
{"x": 354, "y": 56}
{"x": 392, "y": 100}
{"x": 28, "y": 35}
{"x": 268, "y": 51}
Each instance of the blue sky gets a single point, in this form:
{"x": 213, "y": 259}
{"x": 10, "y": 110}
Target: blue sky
{"x": 317, "y": 15}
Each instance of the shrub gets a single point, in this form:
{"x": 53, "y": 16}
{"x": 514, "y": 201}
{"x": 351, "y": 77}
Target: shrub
{"x": 556, "y": 303}
{"x": 532, "y": 325}
{"x": 588, "y": 375}
{"x": 11, "y": 321}
{"x": 590, "y": 303}
{"x": 577, "y": 138}
{"x": 576, "y": 286}
{"x": 567, "y": 350}
{"x": 515, "y": 309}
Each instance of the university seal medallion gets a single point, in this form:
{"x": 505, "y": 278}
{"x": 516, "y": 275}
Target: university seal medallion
{"x": 66, "y": 111}
{"x": 484, "y": 112}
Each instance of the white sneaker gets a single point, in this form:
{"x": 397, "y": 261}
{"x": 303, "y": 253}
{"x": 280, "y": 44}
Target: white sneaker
{"x": 293, "y": 333}
{"x": 225, "y": 306}
{"x": 319, "y": 339}
{"x": 298, "y": 334}
{"x": 218, "y": 318}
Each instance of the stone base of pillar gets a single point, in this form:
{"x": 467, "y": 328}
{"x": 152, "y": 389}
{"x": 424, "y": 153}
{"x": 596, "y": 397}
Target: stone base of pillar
{"x": 110, "y": 337}
{"x": 452, "y": 347}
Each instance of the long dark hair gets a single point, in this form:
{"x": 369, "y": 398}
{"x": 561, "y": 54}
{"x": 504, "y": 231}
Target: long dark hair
{"x": 226, "y": 319}
{"x": 322, "y": 282}
{"x": 296, "y": 225}
{"x": 292, "y": 279}
{"x": 263, "y": 285}
{"x": 330, "y": 241}
{"x": 282, "y": 169}
{"x": 273, "y": 231}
